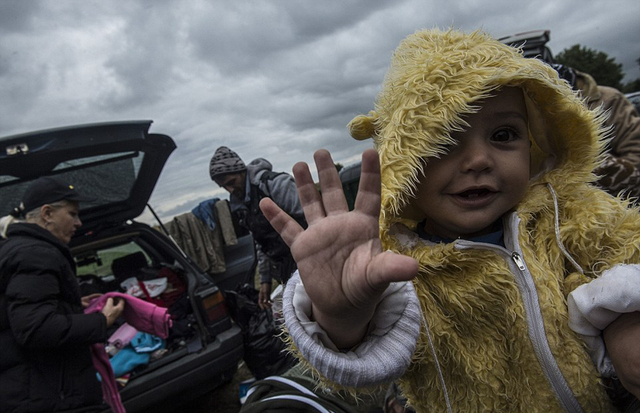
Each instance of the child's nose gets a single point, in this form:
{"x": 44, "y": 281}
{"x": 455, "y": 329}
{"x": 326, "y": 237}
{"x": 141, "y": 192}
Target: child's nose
{"x": 476, "y": 156}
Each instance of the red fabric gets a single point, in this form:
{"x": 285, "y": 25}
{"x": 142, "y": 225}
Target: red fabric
{"x": 166, "y": 299}
{"x": 148, "y": 297}
{"x": 176, "y": 282}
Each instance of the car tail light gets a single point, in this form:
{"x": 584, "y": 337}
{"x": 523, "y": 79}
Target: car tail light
{"x": 214, "y": 307}
{"x": 214, "y": 310}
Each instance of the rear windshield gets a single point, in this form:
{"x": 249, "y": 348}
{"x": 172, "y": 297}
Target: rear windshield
{"x": 105, "y": 179}
{"x": 100, "y": 262}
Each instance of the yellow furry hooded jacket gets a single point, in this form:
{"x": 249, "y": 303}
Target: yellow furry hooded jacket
{"x": 498, "y": 317}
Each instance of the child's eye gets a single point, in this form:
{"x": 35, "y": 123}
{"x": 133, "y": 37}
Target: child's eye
{"x": 504, "y": 135}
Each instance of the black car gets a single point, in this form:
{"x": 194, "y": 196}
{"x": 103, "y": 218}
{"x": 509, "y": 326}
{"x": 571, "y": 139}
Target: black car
{"x": 533, "y": 44}
{"x": 350, "y": 179}
{"x": 634, "y": 98}
{"x": 118, "y": 165}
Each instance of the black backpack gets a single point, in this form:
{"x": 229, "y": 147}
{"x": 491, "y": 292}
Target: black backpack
{"x": 277, "y": 394}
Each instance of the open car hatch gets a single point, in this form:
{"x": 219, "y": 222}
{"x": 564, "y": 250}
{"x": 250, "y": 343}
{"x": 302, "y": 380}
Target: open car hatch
{"x": 117, "y": 164}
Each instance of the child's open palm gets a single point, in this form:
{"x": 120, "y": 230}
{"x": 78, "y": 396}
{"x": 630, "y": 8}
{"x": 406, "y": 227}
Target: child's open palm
{"x": 339, "y": 255}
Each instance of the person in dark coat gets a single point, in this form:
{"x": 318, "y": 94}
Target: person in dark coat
{"x": 45, "y": 337}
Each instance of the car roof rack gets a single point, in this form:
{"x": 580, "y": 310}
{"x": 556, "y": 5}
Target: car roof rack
{"x": 533, "y": 43}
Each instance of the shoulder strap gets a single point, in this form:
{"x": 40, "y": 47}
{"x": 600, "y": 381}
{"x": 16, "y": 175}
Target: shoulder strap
{"x": 281, "y": 394}
{"x": 269, "y": 176}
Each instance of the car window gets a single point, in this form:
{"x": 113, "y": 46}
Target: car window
{"x": 350, "y": 178}
{"x": 100, "y": 262}
{"x": 105, "y": 178}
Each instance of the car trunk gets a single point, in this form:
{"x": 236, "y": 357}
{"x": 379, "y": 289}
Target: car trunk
{"x": 202, "y": 332}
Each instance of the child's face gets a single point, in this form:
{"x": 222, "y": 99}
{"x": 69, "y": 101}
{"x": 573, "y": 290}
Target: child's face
{"x": 465, "y": 191}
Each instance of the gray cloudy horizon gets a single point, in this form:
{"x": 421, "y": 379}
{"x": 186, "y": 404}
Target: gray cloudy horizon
{"x": 272, "y": 79}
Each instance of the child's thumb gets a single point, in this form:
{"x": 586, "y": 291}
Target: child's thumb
{"x": 388, "y": 267}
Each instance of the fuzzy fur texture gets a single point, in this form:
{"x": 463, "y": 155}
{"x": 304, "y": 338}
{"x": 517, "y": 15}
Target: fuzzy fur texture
{"x": 469, "y": 297}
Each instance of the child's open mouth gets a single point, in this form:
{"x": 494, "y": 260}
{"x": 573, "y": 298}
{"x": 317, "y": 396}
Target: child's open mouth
{"x": 475, "y": 193}
{"x": 476, "y": 196}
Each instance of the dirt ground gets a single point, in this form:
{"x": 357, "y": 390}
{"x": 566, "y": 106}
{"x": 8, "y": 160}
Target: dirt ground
{"x": 224, "y": 399}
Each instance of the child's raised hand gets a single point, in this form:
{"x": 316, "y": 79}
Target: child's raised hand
{"x": 339, "y": 255}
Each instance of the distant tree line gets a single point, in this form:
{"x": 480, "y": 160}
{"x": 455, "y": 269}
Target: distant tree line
{"x": 604, "y": 69}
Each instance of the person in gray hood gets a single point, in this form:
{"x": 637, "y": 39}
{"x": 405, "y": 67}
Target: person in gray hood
{"x": 247, "y": 185}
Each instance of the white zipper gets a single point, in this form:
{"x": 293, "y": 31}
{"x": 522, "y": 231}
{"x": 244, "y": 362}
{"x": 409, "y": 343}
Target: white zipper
{"x": 518, "y": 260}
{"x": 535, "y": 323}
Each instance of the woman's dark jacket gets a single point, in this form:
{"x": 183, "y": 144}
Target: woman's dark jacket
{"x": 45, "y": 338}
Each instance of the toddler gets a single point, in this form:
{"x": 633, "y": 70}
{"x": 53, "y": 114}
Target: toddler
{"x": 480, "y": 265}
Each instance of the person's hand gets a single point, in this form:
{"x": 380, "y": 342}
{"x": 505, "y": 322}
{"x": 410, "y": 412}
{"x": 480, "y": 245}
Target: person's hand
{"x": 339, "y": 255}
{"x": 621, "y": 339}
{"x": 264, "y": 296}
{"x": 86, "y": 300}
{"x": 112, "y": 310}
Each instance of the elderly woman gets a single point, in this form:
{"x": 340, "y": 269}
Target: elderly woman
{"x": 45, "y": 362}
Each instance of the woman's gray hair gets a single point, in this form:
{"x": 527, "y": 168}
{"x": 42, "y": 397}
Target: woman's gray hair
{"x": 32, "y": 215}
{"x": 4, "y": 224}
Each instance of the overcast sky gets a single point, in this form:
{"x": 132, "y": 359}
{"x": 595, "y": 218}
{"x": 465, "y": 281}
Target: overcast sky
{"x": 274, "y": 78}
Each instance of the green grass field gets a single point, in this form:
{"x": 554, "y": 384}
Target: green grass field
{"x": 103, "y": 268}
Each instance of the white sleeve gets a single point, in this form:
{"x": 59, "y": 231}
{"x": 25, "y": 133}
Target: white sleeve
{"x": 595, "y": 305}
{"x": 384, "y": 354}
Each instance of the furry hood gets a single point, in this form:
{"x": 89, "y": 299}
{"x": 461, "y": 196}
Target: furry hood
{"x": 435, "y": 78}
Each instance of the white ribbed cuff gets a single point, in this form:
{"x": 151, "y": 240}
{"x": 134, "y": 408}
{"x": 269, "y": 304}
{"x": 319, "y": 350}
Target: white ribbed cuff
{"x": 384, "y": 354}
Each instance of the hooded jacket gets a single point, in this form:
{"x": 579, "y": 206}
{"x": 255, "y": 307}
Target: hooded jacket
{"x": 620, "y": 170}
{"x": 274, "y": 257}
{"x": 494, "y": 320}
{"x": 45, "y": 361}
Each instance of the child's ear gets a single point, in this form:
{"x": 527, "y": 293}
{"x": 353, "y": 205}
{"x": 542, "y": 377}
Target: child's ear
{"x": 363, "y": 126}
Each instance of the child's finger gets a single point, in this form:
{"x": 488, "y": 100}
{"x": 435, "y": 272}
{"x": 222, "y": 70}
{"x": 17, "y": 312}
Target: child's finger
{"x": 309, "y": 197}
{"x": 389, "y": 267}
{"x": 332, "y": 193}
{"x": 286, "y": 226}
{"x": 368, "y": 198}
